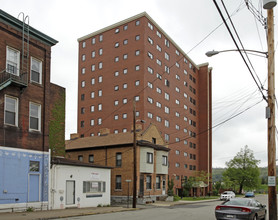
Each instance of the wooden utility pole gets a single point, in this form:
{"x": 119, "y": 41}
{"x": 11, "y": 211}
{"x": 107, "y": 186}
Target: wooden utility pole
{"x": 272, "y": 194}
{"x": 134, "y": 156}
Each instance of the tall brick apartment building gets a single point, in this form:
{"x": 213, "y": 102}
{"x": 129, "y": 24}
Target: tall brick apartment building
{"x": 136, "y": 59}
{"x": 26, "y": 101}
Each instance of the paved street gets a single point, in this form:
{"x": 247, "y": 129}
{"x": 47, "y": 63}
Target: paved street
{"x": 194, "y": 211}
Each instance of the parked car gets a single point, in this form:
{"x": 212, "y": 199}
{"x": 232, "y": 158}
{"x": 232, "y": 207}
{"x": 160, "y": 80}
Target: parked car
{"x": 250, "y": 194}
{"x": 227, "y": 195}
{"x": 241, "y": 208}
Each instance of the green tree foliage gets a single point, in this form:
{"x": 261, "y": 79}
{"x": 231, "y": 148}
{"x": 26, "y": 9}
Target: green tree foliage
{"x": 242, "y": 171}
{"x": 170, "y": 187}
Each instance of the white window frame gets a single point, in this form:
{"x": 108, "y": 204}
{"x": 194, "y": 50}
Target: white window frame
{"x": 16, "y": 63}
{"x": 15, "y": 110}
{"x": 38, "y": 116}
{"x": 40, "y": 70}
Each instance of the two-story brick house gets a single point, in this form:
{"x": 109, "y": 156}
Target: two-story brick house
{"x": 26, "y": 101}
{"x": 116, "y": 150}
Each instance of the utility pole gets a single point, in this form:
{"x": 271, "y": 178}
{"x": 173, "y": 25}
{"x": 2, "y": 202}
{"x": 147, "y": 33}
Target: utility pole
{"x": 134, "y": 156}
{"x": 272, "y": 194}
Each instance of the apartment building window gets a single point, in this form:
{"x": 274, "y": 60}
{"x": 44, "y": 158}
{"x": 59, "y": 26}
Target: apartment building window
{"x": 185, "y": 154}
{"x": 164, "y": 160}
{"x": 83, "y": 57}
{"x": 158, "y": 62}
{"x": 137, "y": 37}
{"x": 116, "y": 117}
{"x": 80, "y": 157}
{"x": 185, "y": 142}
{"x": 177, "y": 152}
{"x": 124, "y": 130}
{"x": 12, "y": 61}
{"x": 116, "y": 131}
{"x": 116, "y": 88}
{"x": 118, "y": 182}
{"x": 116, "y": 102}
{"x": 125, "y": 71}
{"x": 185, "y": 60}
{"x": 185, "y": 95}
{"x": 83, "y": 84}
{"x": 125, "y": 42}
{"x": 137, "y": 52}
{"x": 124, "y": 100}
{"x": 158, "y": 34}
{"x": 93, "y": 40}
{"x": 177, "y": 139}
{"x": 177, "y": 65}
{"x": 185, "y": 130}
{"x": 185, "y": 107}
{"x": 150, "y": 85}
{"x": 137, "y": 98}
{"x": 150, "y": 25}
{"x": 167, "y": 110}
{"x": 137, "y": 22}
{"x": 83, "y": 70}
{"x": 158, "y": 90}
{"x": 149, "y": 157}
{"x": 125, "y": 56}
{"x": 83, "y": 44}
{"x": 157, "y": 182}
{"x": 177, "y": 52}
{"x": 150, "y": 100}
{"x": 185, "y": 166}
{"x": 118, "y": 159}
{"x": 137, "y": 113}
{"x": 34, "y": 116}
{"x": 92, "y": 122}
{"x": 167, "y": 96}
{"x": 82, "y": 97}
{"x": 158, "y": 76}
{"x": 158, "y": 104}
{"x": 124, "y": 115}
{"x": 100, "y": 38}
{"x": 82, "y": 110}
{"x": 100, "y": 65}
{"x": 177, "y": 77}
{"x": 158, "y": 48}
{"x": 167, "y": 69}
{"x": 177, "y": 114}
{"x": 185, "y": 118}
{"x": 150, "y": 40}
{"x": 137, "y": 82}
{"x": 137, "y": 67}
{"x": 167, "y": 83}
{"x": 11, "y": 111}
{"x": 159, "y": 119}
{"x": 93, "y": 81}
{"x": 92, "y": 95}
{"x": 148, "y": 182}
{"x": 185, "y": 72}
{"x": 36, "y": 70}
{"x": 117, "y": 30}
{"x": 100, "y": 107}
{"x": 150, "y": 115}
{"x": 167, "y": 123}
{"x": 117, "y": 44}
{"x": 167, "y": 43}
{"x": 99, "y": 121}
{"x": 125, "y": 85}
{"x": 177, "y": 101}
{"x": 177, "y": 127}
{"x": 177, "y": 89}
{"x": 100, "y": 79}
{"x": 116, "y": 59}
{"x": 125, "y": 27}
{"x": 177, "y": 165}
{"x": 167, "y": 57}
{"x": 150, "y": 70}
{"x": 167, "y": 137}
{"x": 116, "y": 73}
{"x": 150, "y": 55}
{"x": 93, "y": 67}
{"x": 100, "y": 51}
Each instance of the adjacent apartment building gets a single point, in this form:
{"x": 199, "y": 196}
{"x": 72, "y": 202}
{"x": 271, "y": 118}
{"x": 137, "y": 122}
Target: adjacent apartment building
{"x": 25, "y": 113}
{"x": 135, "y": 59}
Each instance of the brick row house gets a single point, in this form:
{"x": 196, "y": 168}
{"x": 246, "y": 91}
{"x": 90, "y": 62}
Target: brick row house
{"x": 135, "y": 59}
{"x": 116, "y": 151}
{"x": 26, "y": 99}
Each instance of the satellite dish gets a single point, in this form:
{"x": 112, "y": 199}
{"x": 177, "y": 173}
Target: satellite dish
{"x": 269, "y": 4}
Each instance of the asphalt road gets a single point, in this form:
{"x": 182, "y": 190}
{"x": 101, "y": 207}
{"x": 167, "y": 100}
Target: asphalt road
{"x": 195, "y": 211}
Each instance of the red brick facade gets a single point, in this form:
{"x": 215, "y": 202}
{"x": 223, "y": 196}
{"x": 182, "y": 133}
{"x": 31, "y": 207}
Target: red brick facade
{"x": 136, "y": 58}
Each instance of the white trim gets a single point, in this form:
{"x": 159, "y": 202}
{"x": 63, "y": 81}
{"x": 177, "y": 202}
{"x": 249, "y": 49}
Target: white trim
{"x": 29, "y": 186}
{"x": 16, "y": 108}
{"x": 18, "y": 59}
{"x": 21, "y": 150}
{"x": 40, "y": 70}
{"x": 39, "y": 116}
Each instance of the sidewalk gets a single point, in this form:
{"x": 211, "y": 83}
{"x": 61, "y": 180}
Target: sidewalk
{"x": 64, "y": 213}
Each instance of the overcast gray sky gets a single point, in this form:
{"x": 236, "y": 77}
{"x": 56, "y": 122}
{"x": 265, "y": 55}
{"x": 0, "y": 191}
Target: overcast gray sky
{"x": 187, "y": 22}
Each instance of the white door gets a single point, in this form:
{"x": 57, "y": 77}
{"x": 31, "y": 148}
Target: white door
{"x": 70, "y": 192}
{"x": 163, "y": 186}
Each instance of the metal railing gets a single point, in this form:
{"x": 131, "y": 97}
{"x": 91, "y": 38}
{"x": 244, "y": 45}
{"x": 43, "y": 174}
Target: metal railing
{"x": 7, "y": 78}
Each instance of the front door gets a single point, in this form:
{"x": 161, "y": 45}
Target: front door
{"x": 34, "y": 188}
{"x": 163, "y": 186}
{"x": 70, "y": 192}
{"x": 141, "y": 185}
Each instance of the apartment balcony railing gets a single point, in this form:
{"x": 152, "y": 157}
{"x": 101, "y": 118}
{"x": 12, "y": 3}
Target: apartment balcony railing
{"x": 7, "y": 79}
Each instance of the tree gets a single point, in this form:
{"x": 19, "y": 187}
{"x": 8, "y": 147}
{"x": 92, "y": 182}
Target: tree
{"x": 243, "y": 170}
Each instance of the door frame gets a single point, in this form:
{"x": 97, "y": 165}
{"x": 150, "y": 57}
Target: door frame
{"x": 28, "y": 196}
{"x": 66, "y": 202}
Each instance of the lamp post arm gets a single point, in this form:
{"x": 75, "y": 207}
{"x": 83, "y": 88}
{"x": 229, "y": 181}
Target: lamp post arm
{"x": 215, "y": 52}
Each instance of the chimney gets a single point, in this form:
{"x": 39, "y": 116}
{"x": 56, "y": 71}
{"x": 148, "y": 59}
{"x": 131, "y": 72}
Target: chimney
{"x": 74, "y": 136}
{"x": 104, "y": 131}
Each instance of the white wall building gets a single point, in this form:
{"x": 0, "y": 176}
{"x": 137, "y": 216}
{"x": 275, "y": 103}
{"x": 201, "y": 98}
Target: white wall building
{"x": 78, "y": 184}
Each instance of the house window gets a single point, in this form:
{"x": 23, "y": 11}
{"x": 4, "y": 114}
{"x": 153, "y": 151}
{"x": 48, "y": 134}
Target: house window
{"x": 11, "y": 111}
{"x": 148, "y": 182}
{"x": 80, "y": 157}
{"x": 118, "y": 159}
{"x": 34, "y": 116}
{"x": 164, "y": 160}
{"x": 154, "y": 140}
{"x": 12, "y": 61}
{"x": 118, "y": 182}
{"x": 149, "y": 157}
{"x": 34, "y": 166}
{"x": 157, "y": 182}
{"x": 36, "y": 70}
{"x": 94, "y": 186}
{"x": 91, "y": 158}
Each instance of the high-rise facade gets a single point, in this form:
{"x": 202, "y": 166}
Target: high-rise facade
{"x": 136, "y": 60}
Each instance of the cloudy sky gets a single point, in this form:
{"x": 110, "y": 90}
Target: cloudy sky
{"x": 196, "y": 27}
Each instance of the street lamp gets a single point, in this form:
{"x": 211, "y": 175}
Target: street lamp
{"x": 134, "y": 154}
{"x": 253, "y": 52}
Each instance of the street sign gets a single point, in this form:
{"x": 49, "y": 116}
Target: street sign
{"x": 271, "y": 181}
